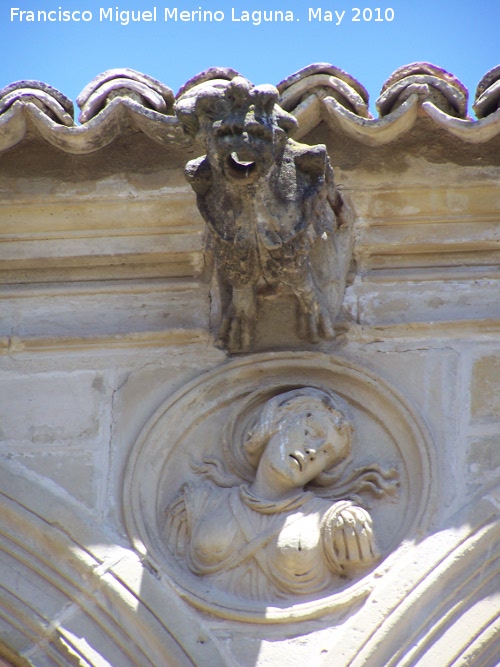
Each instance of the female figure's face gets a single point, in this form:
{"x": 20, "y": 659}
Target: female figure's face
{"x": 303, "y": 447}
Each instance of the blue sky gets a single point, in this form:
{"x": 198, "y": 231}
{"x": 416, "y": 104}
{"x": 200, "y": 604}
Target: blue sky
{"x": 461, "y": 36}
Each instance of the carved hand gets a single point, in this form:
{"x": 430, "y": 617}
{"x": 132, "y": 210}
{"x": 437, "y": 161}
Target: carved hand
{"x": 353, "y": 540}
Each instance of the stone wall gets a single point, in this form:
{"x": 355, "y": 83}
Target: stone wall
{"x": 109, "y": 368}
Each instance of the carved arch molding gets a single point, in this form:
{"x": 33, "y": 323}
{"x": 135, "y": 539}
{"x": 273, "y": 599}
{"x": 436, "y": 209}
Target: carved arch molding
{"x": 192, "y": 423}
{"x": 70, "y": 595}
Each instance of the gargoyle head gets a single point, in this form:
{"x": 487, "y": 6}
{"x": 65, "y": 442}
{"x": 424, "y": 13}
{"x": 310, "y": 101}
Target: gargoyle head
{"x": 242, "y": 126}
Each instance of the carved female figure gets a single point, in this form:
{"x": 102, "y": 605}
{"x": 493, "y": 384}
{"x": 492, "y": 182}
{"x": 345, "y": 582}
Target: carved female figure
{"x": 279, "y": 518}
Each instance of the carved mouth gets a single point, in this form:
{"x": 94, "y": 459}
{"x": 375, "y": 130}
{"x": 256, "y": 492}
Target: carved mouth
{"x": 298, "y": 460}
{"x": 239, "y": 167}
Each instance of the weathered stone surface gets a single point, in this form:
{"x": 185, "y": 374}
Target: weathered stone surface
{"x": 50, "y": 408}
{"x": 112, "y": 386}
{"x": 286, "y": 525}
{"x": 483, "y": 460}
{"x": 76, "y": 472}
{"x": 270, "y": 205}
{"x": 485, "y": 389}
{"x": 209, "y": 439}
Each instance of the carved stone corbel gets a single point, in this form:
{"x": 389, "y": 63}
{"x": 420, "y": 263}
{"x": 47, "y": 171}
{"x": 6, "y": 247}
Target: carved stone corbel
{"x": 276, "y": 222}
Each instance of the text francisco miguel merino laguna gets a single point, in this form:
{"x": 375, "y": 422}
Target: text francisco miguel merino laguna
{"x": 199, "y": 15}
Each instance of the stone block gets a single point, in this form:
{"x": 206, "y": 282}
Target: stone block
{"x": 483, "y": 461}
{"x": 77, "y": 312}
{"x": 407, "y": 301}
{"x": 428, "y": 377}
{"x": 43, "y": 409}
{"x": 74, "y": 471}
{"x": 485, "y": 389}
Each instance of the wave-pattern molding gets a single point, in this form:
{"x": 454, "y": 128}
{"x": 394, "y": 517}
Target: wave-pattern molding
{"x": 122, "y": 98}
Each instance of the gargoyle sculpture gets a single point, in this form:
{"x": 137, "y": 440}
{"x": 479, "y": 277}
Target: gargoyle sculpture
{"x": 275, "y": 220}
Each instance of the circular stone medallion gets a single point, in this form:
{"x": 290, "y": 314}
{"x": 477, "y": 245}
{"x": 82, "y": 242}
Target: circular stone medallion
{"x": 190, "y": 426}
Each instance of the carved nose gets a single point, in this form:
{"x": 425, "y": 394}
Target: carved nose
{"x": 310, "y": 453}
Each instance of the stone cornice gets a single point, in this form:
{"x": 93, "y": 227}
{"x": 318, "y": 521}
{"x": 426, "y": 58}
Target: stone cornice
{"x": 106, "y": 205}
